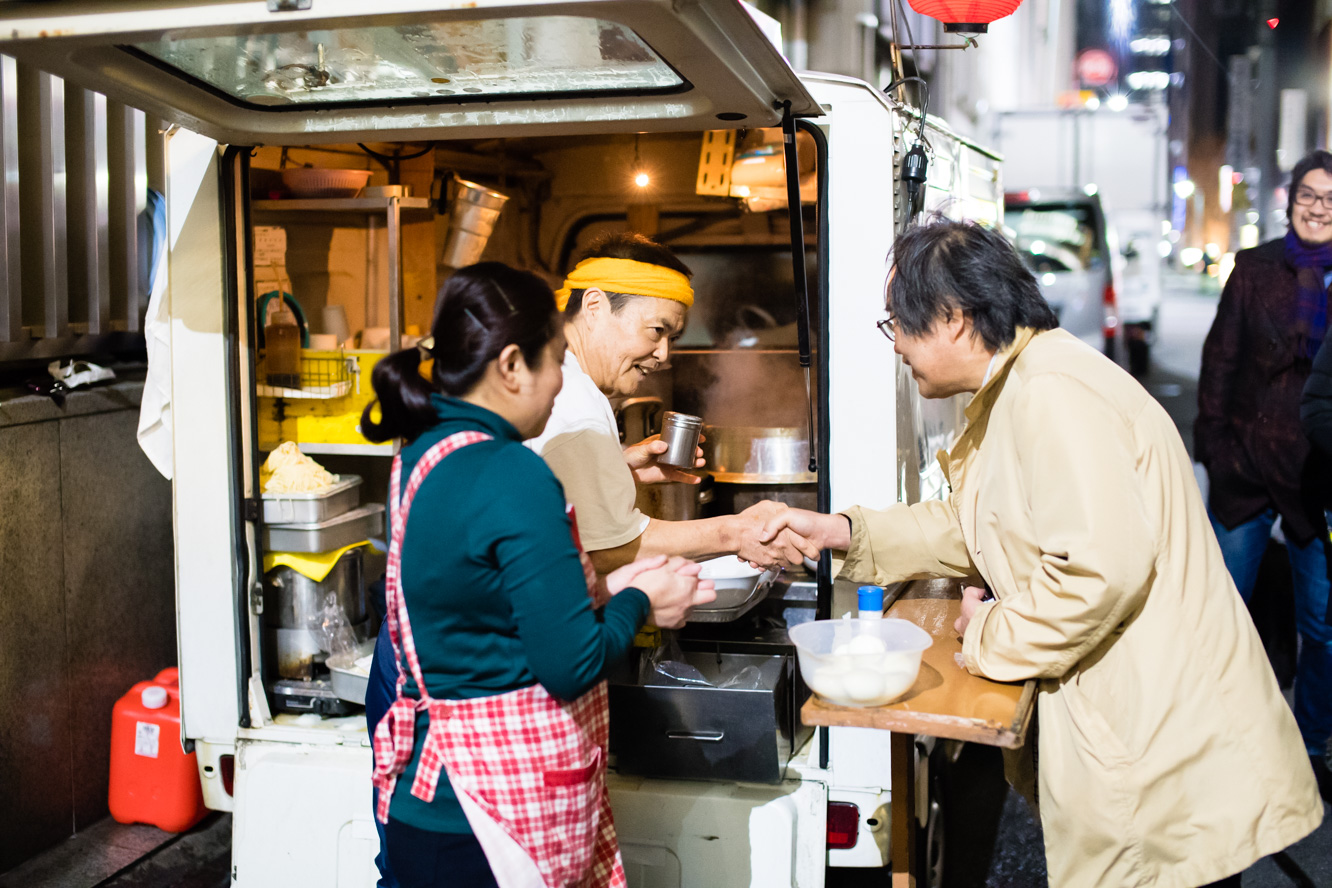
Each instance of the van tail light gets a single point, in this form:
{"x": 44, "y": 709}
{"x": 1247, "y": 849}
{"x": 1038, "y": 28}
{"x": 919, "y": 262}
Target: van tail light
{"x": 1111, "y": 320}
{"x": 843, "y": 825}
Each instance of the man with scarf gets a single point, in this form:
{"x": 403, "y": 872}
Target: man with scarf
{"x": 1270, "y": 322}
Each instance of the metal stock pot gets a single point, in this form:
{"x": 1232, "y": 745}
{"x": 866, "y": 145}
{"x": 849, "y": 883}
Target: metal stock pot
{"x": 757, "y": 455}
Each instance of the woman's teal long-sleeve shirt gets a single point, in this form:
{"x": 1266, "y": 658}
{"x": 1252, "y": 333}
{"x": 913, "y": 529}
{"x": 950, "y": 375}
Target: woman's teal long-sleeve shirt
{"x": 494, "y": 589}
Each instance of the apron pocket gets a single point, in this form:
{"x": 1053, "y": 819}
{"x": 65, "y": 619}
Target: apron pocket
{"x": 574, "y": 776}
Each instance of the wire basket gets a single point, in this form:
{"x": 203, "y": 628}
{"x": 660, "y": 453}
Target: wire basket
{"x": 324, "y": 374}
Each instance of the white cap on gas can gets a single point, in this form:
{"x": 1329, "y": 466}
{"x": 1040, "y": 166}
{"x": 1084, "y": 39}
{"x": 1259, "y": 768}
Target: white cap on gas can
{"x": 154, "y": 697}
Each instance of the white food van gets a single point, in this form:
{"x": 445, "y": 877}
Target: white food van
{"x": 563, "y": 88}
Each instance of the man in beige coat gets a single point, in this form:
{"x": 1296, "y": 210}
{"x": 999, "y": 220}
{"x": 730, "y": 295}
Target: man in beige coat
{"x": 1166, "y": 756}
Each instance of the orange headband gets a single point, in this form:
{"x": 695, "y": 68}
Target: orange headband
{"x": 626, "y": 276}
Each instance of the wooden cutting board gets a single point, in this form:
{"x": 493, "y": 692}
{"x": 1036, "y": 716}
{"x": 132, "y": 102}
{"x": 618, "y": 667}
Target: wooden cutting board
{"x": 946, "y": 700}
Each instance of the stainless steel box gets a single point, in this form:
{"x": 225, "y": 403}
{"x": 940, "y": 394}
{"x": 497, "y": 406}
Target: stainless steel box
{"x": 678, "y": 731}
{"x": 325, "y": 536}
{"x": 313, "y": 508}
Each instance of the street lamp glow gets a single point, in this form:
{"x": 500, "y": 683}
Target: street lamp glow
{"x": 1189, "y": 256}
{"x": 1184, "y": 189}
{"x": 1037, "y": 247}
{"x": 1093, "y": 103}
{"x": 1089, "y": 189}
{"x": 1117, "y": 102}
{"x": 642, "y": 180}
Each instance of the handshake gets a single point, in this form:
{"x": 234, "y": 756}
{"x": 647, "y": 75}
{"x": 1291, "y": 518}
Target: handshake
{"x": 767, "y": 534}
{"x": 772, "y": 534}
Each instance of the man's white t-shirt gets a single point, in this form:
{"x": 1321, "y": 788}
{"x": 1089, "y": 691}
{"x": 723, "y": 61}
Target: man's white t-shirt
{"x": 581, "y": 444}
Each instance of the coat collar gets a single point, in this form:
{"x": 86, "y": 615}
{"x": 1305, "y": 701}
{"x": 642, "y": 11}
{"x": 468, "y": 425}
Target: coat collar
{"x": 984, "y": 399}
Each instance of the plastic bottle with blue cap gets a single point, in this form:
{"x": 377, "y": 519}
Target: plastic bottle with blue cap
{"x": 869, "y": 602}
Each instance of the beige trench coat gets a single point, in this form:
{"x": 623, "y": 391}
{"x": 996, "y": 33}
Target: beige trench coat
{"x": 1167, "y": 756}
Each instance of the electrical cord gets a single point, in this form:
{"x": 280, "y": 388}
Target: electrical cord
{"x": 911, "y": 41}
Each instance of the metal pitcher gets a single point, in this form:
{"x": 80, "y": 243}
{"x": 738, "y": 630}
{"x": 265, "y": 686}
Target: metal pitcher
{"x": 472, "y": 220}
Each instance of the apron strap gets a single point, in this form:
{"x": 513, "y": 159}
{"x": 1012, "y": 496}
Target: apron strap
{"x": 395, "y": 735}
{"x": 400, "y": 627}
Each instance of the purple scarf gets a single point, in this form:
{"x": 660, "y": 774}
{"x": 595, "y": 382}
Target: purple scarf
{"x": 1310, "y": 264}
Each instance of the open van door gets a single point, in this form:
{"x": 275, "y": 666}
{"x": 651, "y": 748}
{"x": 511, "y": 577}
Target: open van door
{"x": 282, "y": 72}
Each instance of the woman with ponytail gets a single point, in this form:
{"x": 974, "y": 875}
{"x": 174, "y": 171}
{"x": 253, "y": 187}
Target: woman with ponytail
{"x": 490, "y": 761}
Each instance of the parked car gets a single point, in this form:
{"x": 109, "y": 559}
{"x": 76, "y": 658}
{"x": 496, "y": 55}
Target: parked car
{"x": 1139, "y": 294}
{"x": 1064, "y": 239}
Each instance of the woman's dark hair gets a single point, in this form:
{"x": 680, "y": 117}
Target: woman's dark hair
{"x": 1317, "y": 159}
{"x": 482, "y": 309}
{"x": 943, "y": 266}
{"x": 625, "y": 245}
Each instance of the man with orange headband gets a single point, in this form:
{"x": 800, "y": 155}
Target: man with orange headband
{"x": 624, "y": 304}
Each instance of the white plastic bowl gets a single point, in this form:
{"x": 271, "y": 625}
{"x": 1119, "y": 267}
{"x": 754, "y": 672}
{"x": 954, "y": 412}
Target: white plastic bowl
{"x": 860, "y": 662}
{"x": 734, "y": 580}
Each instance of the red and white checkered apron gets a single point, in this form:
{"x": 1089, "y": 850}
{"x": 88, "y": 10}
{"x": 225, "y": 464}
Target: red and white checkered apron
{"x": 532, "y": 764}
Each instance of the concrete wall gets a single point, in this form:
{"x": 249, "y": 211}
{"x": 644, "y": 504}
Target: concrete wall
{"x": 87, "y": 603}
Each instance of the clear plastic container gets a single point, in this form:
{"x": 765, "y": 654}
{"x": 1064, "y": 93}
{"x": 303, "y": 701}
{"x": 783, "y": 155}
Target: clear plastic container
{"x": 860, "y": 662}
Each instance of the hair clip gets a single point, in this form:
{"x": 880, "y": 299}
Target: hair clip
{"x": 475, "y": 319}
{"x": 505, "y": 296}
{"x": 425, "y": 347}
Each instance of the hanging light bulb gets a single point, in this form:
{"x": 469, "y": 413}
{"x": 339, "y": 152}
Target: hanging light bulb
{"x": 641, "y": 177}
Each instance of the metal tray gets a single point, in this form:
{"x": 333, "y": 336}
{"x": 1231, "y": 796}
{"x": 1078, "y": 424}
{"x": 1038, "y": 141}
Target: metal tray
{"x": 324, "y": 536}
{"x": 347, "y": 683}
{"x": 312, "y": 508}
{"x": 736, "y": 596}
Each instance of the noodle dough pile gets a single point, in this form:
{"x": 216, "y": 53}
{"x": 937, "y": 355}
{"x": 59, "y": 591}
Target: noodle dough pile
{"x": 287, "y": 470}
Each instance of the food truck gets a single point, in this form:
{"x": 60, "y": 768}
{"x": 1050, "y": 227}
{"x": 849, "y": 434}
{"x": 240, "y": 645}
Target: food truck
{"x": 342, "y": 158}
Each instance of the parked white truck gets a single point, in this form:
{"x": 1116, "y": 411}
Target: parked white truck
{"x": 1121, "y": 157}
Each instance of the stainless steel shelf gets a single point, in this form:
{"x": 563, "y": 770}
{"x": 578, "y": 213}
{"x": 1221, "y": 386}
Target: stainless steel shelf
{"x": 340, "y": 204}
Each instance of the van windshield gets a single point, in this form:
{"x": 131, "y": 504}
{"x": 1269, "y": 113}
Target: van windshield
{"x": 1055, "y": 236}
{"x": 437, "y": 61}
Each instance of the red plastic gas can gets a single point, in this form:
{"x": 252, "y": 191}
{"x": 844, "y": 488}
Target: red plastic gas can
{"x": 152, "y": 779}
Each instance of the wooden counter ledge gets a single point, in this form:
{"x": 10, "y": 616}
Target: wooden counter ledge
{"x": 946, "y": 700}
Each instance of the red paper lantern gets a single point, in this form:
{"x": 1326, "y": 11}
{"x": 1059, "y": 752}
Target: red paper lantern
{"x": 966, "y": 16}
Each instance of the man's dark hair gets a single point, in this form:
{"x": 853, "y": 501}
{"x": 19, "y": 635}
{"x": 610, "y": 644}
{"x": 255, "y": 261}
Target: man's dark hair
{"x": 1317, "y": 159}
{"x": 625, "y": 245}
{"x": 946, "y": 266}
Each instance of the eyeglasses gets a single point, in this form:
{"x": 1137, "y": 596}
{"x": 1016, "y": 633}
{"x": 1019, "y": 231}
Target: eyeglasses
{"x": 887, "y": 327}
{"x": 1306, "y": 198}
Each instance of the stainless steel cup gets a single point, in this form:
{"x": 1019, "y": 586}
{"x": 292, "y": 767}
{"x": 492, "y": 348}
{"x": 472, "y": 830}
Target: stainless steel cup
{"x": 680, "y": 431}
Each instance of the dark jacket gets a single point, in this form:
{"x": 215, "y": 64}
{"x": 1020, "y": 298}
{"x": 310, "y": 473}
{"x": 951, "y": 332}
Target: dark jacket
{"x": 1248, "y": 431}
{"x": 1316, "y": 415}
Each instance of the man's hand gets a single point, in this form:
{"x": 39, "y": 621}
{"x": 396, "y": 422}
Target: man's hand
{"x": 642, "y": 460}
{"x": 814, "y": 529}
{"x": 752, "y": 543}
{"x": 972, "y": 596}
